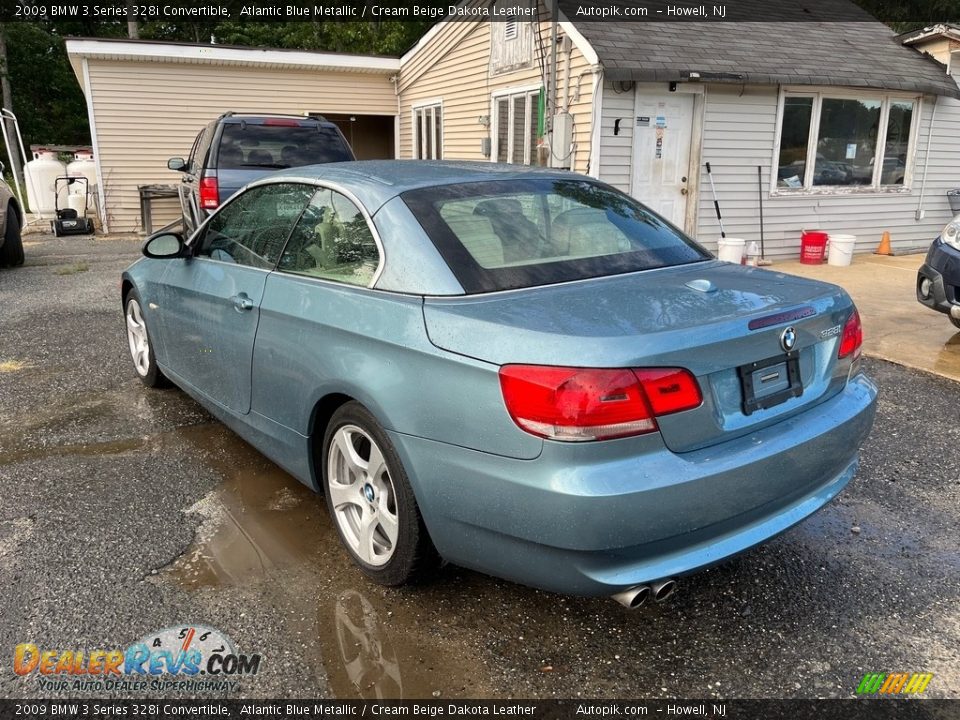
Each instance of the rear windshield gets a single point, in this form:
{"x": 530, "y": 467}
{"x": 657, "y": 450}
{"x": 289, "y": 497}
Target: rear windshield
{"x": 244, "y": 145}
{"x": 506, "y": 234}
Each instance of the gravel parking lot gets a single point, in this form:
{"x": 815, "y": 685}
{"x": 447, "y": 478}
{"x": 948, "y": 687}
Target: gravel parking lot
{"x": 125, "y": 510}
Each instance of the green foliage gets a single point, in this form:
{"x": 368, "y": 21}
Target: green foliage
{"x": 47, "y": 97}
{"x": 906, "y": 15}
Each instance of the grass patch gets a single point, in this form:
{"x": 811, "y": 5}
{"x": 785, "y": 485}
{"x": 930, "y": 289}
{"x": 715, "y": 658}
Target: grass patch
{"x": 11, "y": 366}
{"x": 72, "y": 269}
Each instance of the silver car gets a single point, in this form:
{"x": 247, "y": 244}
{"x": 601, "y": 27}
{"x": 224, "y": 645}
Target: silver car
{"x": 11, "y": 220}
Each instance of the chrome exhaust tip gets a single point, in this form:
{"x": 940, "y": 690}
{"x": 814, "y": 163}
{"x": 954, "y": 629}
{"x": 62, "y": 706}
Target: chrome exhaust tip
{"x": 634, "y": 597}
{"x": 955, "y": 312}
{"x": 663, "y": 590}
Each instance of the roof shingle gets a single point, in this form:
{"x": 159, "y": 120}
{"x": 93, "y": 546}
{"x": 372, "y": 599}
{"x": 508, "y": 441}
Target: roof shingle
{"x": 812, "y": 42}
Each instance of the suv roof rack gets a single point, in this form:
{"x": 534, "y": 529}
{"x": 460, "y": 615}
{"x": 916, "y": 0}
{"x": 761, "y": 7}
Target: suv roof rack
{"x": 245, "y": 113}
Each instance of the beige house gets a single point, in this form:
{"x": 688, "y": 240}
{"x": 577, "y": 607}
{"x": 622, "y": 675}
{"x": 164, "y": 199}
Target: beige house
{"x": 777, "y": 109}
{"x": 147, "y": 101}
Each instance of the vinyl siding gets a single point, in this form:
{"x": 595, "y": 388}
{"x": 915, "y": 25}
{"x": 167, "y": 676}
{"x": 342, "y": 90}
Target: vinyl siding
{"x": 616, "y": 151}
{"x": 454, "y": 66}
{"x": 147, "y": 112}
{"x": 739, "y": 134}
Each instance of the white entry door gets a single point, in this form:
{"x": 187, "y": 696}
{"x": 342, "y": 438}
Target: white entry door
{"x": 661, "y": 153}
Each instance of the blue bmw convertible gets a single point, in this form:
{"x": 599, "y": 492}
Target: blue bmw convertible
{"x": 525, "y": 372}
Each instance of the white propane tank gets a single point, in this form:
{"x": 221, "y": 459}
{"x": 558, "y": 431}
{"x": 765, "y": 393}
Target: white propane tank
{"x": 78, "y": 203}
{"x": 40, "y": 175}
{"x": 84, "y": 165}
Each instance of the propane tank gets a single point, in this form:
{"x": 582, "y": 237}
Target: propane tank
{"x": 84, "y": 165}
{"x": 40, "y": 175}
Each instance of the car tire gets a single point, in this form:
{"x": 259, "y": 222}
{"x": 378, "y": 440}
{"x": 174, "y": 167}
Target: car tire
{"x": 140, "y": 344}
{"x": 11, "y": 254}
{"x": 375, "y": 512}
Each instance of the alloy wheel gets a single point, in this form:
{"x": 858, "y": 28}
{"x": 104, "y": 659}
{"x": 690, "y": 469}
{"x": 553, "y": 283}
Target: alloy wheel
{"x": 137, "y": 338}
{"x": 362, "y": 495}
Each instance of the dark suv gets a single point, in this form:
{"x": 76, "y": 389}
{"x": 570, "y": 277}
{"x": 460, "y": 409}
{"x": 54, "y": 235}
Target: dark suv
{"x": 236, "y": 149}
{"x": 938, "y": 280}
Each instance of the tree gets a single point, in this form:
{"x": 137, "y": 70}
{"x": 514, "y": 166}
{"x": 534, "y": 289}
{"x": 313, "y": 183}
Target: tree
{"x": 7, "y": 93}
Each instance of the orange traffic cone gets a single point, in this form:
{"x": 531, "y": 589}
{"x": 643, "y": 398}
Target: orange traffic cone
{"x": 884, "y": 247}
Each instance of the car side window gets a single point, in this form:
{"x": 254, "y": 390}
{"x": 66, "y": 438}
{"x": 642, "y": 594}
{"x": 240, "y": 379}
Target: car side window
{"x": 193, "y": 152}
{"x": 332, "y": 241}
{"x": 252, "y": 229}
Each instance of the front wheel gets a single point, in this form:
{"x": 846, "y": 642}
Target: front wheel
{"x": 371, "y": 502}
{"x": 141, "y": 349}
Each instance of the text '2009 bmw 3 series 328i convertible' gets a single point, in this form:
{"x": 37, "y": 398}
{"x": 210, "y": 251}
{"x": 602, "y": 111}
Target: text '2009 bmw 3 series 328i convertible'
{"x": 524, "y": 372}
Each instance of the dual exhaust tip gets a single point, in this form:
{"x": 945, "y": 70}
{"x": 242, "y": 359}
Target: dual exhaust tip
{"x": 634, "y": 597}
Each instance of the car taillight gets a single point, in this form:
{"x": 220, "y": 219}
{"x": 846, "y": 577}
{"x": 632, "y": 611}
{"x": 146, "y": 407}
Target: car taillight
{"x": 209, "y": 193}
{"x": 281, "y": 122}
{"x": 852, "y": 339}
{"x": 582, "y": 404}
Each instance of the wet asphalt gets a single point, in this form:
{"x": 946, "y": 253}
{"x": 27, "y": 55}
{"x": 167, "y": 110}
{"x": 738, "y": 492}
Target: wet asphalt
{"x": 125, "y": 510}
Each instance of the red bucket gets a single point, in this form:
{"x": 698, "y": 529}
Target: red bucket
{"x": 813, "y": 246}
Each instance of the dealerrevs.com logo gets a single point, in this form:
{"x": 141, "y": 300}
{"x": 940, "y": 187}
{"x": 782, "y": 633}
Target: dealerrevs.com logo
{"x": 188, "y": 658}
{"x": 894, "y": 683}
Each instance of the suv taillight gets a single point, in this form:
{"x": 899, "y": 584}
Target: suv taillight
{"x": 852, "y": 339}
{"x": 582, "y": 404}
{"x": 209, "y": 193}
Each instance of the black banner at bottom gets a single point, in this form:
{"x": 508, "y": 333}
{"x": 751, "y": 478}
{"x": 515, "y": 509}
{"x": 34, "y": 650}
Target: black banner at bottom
{"x": 865, "y": 709}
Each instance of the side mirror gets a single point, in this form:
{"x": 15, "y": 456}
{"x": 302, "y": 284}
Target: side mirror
{"x": 177, "y": 164}
{"x": 164, "y": 245}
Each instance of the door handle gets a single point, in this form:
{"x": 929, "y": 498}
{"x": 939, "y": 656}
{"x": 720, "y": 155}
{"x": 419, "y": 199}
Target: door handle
{"x": 241, "y": 302}
{"x": 683, "y": 191}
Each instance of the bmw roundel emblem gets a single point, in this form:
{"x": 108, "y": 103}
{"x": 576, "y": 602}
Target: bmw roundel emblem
{"x": 788, "y": 339}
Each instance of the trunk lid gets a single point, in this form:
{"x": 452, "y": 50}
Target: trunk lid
{"x": 718, "y": 320}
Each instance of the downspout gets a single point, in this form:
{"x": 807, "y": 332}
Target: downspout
{"x": 926, "y": 159}
{"x": 596, "y": 121}
{"x": 552, "y": 77}
{"x": 395, "y": 79}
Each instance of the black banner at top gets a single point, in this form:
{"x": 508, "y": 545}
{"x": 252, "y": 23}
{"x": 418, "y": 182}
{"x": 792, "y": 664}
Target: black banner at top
{"x": 159, "y": 709}
{"x": 618, "y": 11}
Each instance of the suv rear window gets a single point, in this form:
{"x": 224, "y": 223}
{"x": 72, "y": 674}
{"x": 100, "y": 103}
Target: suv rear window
{"x": 506, "y": 234}
{"x": 246, "y": 145}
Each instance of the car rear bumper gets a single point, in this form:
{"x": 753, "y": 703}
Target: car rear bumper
{"x": 630, "y": 511}
{"x": 942, "y": 269}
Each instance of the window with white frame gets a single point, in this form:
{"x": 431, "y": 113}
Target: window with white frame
{"x": 517, "y": 127}
{"x": 834, "y": 140}
{"x": 428, "y": 132}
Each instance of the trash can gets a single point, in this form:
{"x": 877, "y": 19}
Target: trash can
{"x": 953, "y": 197}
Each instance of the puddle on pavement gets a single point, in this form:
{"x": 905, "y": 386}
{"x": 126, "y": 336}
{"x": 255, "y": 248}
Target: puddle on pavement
{"x": 948, "y": 359}
{"x": 81, "y": 425}
{"x": 261, "y": 524}
{"x": 258, "y": 519}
